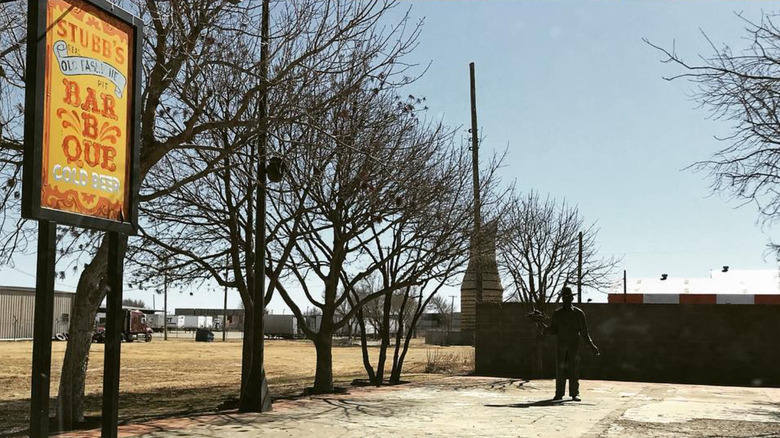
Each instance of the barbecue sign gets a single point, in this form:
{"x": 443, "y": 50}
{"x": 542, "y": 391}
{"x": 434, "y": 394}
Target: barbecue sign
{"x": 83, "y": 155}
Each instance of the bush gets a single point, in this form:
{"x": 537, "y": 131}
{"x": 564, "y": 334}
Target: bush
{"x": 441, "y": 362}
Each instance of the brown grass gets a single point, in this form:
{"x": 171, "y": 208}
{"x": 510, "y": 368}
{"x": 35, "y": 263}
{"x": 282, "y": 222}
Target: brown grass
{"x": 180, "y": 376}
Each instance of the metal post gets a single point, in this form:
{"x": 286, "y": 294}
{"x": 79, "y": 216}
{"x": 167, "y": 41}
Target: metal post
{"x": 579, "y": 271}
{"x": 255, "y": 397}
{"x": 477, "y": 242}
{"x": 224, "y": 308}
{"x": 115, "y": 317}
{"x": 165, "y": 305}
{"x": 625, "y": 287}
{"x": 42, "y": 330}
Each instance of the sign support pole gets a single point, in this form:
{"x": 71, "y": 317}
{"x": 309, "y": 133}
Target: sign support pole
{"x": 44, "y": 140}
{"x": 44, "y": 306}
{"x": 117, "y": 245}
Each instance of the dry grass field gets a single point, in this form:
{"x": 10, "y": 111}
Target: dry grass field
{"x": 180, "y": 376}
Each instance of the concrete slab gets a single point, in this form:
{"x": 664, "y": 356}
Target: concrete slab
{"x": 480, "y": 406}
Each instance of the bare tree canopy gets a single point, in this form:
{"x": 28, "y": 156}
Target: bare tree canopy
{"x": 199, "y": 92}
{"x": 538, "y": 251}
{"x": 129, "y": 302}
{"x": 740, "y": 86}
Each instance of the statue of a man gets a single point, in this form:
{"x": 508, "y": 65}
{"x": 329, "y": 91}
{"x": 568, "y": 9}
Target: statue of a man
{"x": 568, "y": 323}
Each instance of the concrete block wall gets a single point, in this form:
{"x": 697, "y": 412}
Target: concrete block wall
{"x": 676, "y": 343}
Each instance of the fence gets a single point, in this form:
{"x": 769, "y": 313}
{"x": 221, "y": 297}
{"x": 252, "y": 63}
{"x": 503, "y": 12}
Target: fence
{"x": 696, "y": 343}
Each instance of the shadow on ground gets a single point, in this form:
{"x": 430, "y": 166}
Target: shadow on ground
{"x": 136, "y": 406}
{"x": 539, "y": 404}
{"x": 179, "y": 403}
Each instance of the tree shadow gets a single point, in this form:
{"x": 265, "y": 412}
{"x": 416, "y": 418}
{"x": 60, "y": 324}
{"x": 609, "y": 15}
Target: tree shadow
{"x": 771, "y": 413}
{"x": 539, "y": 404}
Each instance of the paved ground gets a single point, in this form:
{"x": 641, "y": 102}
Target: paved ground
{"x": 491, "y": 407}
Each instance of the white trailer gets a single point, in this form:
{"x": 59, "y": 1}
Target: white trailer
{"x": 285, "y": 326}
{"x": 190, "y": 321}
{"x": 156, "y": 321}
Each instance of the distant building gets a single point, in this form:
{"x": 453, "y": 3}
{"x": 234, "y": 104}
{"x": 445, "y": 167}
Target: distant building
{"x": 734, "y": 286}
{"x": 438, "y": 322}
{"x": 17, "y": 310}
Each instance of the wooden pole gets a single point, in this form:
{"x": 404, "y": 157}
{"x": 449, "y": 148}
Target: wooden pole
{"x": 42, "y": 331}
{"x": 115, "y": 320}
{"x": 579, "y": 271}
{"x": 452, "y": 310}
{"x": 477, "y": 238}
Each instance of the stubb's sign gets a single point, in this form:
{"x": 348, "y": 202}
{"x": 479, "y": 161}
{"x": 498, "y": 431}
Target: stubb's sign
{"x": 87, "y": 107}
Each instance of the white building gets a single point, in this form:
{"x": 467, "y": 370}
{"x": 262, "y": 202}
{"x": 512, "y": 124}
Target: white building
{"x": 734, "y": 286}
{"x": 732, "y": 282}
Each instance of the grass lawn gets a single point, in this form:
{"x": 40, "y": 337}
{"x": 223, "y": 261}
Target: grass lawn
{"x": 180, "y": 376}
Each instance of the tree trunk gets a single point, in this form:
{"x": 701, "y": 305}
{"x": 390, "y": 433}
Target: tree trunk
{"x": 364, "y": 346}
{"x": 90, "y": 291}
{"x": 398, "y": 361}
{"x": 398, "y": 365}
{"x": 384, "y": 329}
{"x": 246, "y": 347}
{"x": 395, "y": 372}
{"x": 323, "y": 379}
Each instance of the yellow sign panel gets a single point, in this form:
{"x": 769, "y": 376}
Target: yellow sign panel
{"x": 87, "y": 112}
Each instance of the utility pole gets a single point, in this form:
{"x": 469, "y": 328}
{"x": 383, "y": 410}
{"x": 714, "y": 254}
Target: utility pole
{"x": 224, "y": 308}
{"x": 579, "y": 271}
{"x": 625, "y": 287}
{"x": 255, "y": 396}
{"x": 452, "y": 310}
{"x": 476, "y": 243}
{"x": 165, "y": 305}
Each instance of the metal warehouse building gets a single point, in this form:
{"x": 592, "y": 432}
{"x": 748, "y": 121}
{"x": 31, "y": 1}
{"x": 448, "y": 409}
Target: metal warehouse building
{"x": 17, "y": 309}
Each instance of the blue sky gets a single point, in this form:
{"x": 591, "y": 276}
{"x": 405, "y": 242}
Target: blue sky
{"x": 578, "y": 100}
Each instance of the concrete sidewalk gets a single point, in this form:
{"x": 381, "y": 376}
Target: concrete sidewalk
{"x": 493, "y": 407}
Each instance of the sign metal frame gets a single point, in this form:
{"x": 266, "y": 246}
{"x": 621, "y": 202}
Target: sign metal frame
{"x": 34, "y": 117}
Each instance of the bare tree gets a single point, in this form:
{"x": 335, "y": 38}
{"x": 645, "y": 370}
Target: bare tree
{"x": 320, "y": 53}
{"x": 134, "y": 303}
{"x": 443, "y": 310}
{"x": 370, "y": 209}
{"x": 740, "y": 86}
{"x": 538, "y": 253}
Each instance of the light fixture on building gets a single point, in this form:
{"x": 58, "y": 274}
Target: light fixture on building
{"x": 725, "y": 269}
{"x": 663, "y": 277}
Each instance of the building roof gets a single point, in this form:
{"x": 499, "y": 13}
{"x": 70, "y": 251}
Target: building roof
{"x": 734, "y": 282}
{"x": 27, "y": 290}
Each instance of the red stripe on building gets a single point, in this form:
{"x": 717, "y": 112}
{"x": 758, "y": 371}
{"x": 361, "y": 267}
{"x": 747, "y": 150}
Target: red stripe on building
{"x": 697, "y": 299}
{"x": 767, "y": 299}
{"x": 625, "y": 298}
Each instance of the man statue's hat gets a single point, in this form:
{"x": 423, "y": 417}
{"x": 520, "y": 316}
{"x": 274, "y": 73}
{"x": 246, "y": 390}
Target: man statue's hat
{"x": 566, "y": 291}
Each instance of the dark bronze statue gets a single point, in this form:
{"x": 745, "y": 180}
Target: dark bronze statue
{"x": 568, "y": 323}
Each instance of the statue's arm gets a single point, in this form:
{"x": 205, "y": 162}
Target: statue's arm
{"x": 586, "y": 334}
{"x": 553, "y": 327}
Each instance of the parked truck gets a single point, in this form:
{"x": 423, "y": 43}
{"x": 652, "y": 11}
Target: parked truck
{"x": 134, "y": 326}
